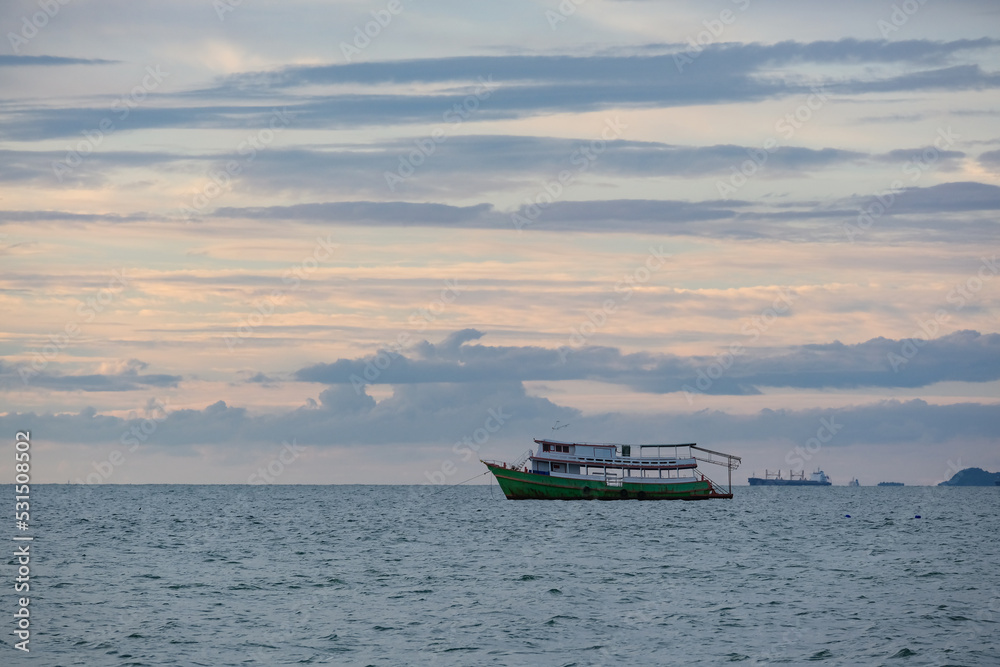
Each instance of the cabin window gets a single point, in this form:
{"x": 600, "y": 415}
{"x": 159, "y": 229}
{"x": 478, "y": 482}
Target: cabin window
{"x": 546, "y": 448}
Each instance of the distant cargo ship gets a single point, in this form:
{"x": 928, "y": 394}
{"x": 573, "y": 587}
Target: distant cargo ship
{"x": 854, "y": 482}
{"x": 890, "y": 484}
{"x": 817, "y": 478}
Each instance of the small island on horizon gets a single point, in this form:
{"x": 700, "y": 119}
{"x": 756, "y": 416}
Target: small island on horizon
{"x": 973, "y": 477}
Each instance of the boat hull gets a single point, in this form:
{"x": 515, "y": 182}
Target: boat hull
{"x": 520, "y": 485}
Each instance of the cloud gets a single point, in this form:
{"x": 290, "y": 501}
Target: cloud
{"x": 511, "y": 160}
{"x": 965, "y": 356}
{"x": 949, "y": 160}
{"x": 644, "y": 215}
{"x": 432, "y": 413}
{"x": 402, "y": 214}
{"x": 259, "y": 378}
{"x": 946, "y": 197}
{"x": 32, "y": 61}
{"x": 526, "y": 85}
{"x": 90, "y": 169}
{"x": 123, "y": 376}
{"x": 713, "y": 58}
{"x": 915, "y": 215}
{"x": 991, "y": 160}
{"x": 468, "y": 164}
{"x": 71, "y": 217}
{"x": 959, "y": 77}
{"x": 444, "y": 414}
{"x": 892, "y": 422}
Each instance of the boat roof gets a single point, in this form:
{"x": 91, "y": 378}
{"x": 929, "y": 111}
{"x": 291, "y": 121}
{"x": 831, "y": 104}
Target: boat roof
{"x": 543, "y": 441}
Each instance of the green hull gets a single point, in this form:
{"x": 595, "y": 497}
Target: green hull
{"x": 519, "y": 485}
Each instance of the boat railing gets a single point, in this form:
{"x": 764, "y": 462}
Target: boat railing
{"x": 613, "y": 480}
{"x": 726, "y": 460}
{"x": 524, "y": 459}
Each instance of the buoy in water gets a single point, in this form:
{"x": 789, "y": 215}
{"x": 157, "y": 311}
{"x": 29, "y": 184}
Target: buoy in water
{"x": 917, "y": 516}
{"x": 847, "y": 516}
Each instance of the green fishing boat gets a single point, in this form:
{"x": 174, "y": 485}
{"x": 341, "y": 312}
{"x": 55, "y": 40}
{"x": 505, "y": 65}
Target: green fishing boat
{"x": 607, "y": 471}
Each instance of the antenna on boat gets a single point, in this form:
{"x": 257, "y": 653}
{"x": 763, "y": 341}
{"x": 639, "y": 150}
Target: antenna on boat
{"x": 556, "y": 427}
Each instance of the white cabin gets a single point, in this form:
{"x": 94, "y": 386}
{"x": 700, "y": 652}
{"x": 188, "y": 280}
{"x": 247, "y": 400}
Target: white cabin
{"x": 572, "y": 459}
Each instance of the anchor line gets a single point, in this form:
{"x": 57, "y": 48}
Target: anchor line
{"x": 457, "y": 484}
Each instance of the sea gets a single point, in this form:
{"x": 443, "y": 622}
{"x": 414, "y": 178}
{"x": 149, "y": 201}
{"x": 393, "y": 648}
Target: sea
{"x": 458, "y": 575}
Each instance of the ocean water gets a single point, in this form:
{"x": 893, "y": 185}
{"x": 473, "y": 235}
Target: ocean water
{"x": 396, "y": 575}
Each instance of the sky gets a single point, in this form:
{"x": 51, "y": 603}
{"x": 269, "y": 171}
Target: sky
{"x": 249, "y": 241}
